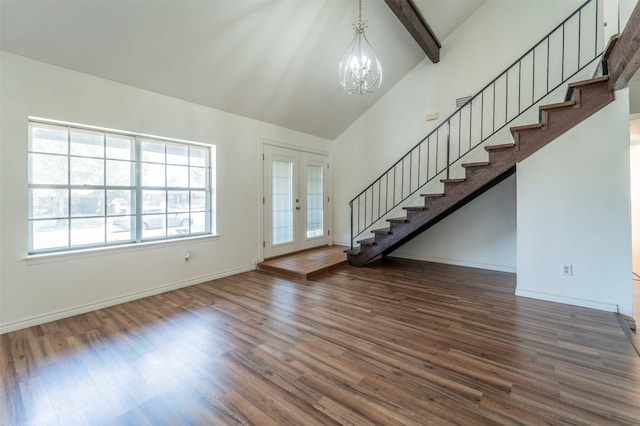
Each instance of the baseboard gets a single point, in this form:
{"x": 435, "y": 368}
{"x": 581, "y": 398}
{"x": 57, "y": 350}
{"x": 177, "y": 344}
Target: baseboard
{"x": 342, "y": 244}
{"x": 585, "y": 303}
{"x": 53, "y": 316}
{"x": 491, "y": 267}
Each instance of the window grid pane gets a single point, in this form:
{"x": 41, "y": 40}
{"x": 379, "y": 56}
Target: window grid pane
{"x": 87, "y": 144}
{"x": 120, "y": 173}
{"x": 48, "y": 169}
{"x": 49, "y": 139}
{"x": 120, "y": 147}
{"x": 83, "y": 187}
{"x": 86, "y": 171}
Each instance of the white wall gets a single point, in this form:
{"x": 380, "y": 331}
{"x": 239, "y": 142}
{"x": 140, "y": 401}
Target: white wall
{"x": 635, "y": 204}
{"x": 616, "y": 15}
{"x": 483, "y": 46}
{"x": 489, "y": 244}
{"x": 33, "y": 292}
{"x": 574, "y": 208}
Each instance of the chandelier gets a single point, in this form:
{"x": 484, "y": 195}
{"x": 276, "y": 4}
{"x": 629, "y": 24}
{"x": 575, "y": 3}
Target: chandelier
{"x": 360, "y": 69}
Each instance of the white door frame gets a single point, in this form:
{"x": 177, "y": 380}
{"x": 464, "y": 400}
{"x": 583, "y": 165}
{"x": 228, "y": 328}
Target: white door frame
{"x": 263, "y": 195}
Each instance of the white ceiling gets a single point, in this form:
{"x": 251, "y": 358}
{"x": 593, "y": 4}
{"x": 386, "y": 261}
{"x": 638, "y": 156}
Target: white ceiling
{"x": 272, "y": 60}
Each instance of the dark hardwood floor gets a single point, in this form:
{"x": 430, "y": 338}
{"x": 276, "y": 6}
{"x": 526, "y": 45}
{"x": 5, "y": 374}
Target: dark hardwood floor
{"x": 400, "y": 343}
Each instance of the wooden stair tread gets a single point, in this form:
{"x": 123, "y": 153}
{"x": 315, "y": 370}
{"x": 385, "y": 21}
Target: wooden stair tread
{"x": 497, "y": 147}
{"x": 476, "y": 164}
{"x": 453, "y": 180}
{"x": 588, "y": 82}
{"x": 557, "y": 105}
{"x": 367, "y": 242}
{"x": 432, "y": 195}
{"x": 353, "y": 252}
{"x": 382, "y": 231}
{"x": 415, "y": 208}
{"x": 398, "y": 220}
{"x": 584, "y": 83}
{"x": 526, "y": 127}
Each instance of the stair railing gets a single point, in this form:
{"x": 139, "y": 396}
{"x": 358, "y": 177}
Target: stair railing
{"x": 566, "y": 50}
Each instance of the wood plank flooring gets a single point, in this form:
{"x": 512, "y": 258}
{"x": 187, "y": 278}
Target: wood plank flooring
{"x": 397, "y": 342}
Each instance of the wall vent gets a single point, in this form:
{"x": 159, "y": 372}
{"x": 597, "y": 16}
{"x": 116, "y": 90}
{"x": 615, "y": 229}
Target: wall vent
{"x": 462, "y": 101}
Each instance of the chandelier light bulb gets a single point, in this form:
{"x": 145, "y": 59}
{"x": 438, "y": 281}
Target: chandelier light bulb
{"x": 360, "y": 69}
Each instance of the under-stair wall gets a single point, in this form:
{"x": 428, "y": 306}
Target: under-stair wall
{"x": 573, "y": 208}
{"x": 490, "y": 243}
{"x": 396, "y": 122}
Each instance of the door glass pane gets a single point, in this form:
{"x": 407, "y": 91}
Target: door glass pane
{"x": 314, "y": 201}
{"x": 282, "y": 202}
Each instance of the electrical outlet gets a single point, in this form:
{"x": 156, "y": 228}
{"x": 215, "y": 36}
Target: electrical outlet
{"x": 566, "y": 270}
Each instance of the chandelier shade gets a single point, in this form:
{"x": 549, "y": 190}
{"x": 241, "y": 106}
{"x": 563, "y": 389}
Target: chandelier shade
{"x": 360, "y": 69}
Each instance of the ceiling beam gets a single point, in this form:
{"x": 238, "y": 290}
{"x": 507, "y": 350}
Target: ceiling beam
{"x": 408, "y": 13}
{"x": 624, "y": 60}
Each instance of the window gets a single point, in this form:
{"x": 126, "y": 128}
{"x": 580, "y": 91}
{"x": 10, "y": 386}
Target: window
{"x": 91, "y": 187}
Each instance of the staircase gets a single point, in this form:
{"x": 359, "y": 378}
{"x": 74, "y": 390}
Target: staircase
{"x": 479, "y": 129}
{"x": 583, "y": 99}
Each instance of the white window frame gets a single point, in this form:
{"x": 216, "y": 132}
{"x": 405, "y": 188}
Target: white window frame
{"x": 206, "y": 224}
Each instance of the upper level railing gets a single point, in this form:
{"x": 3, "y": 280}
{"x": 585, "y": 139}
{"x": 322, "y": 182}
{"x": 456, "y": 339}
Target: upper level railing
{"x": 561, "y": 54}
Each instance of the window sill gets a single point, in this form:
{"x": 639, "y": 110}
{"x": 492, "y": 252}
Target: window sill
{"x": 40, "y": 259}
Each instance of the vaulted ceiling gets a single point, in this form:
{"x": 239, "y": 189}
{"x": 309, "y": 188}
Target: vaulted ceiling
{"x": 271, "y": 60}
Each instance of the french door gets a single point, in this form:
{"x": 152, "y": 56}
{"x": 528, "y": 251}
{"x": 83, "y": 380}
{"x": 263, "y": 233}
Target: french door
{"x": 295, "y": 200}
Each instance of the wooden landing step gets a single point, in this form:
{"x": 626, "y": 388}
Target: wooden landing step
{"x": 307, "y": 264}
